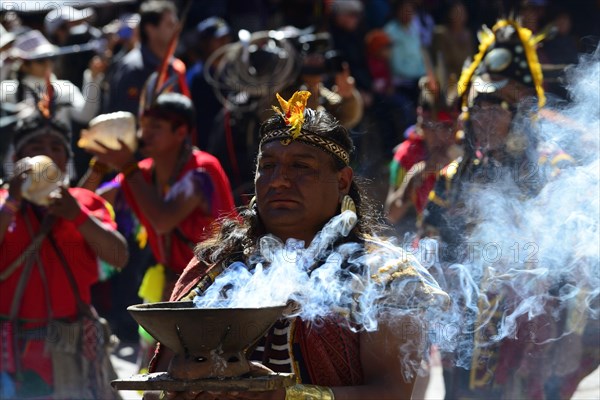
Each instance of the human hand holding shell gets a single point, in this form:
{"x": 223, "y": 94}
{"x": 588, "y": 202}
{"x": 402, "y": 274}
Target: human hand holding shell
{"x": 43, "y": 178}
{"x": 108, "y": 129}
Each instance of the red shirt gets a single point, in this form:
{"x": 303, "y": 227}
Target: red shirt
{"x": 193, "y": 227}
{"x": 421, "y": 193}
{"x": 408, "y": 153}
{"x": 80, "y": 257}
{"x": 381, "y": 74}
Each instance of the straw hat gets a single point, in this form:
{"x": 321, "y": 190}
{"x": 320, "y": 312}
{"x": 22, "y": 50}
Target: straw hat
{"x": 64, "y": 14}
{"x": 33, "y": 45}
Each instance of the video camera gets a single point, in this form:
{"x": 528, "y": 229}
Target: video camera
{"x": 317, "y": 54}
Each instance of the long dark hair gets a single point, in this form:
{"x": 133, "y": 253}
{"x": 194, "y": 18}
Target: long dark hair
{"x": 236, "y": 238}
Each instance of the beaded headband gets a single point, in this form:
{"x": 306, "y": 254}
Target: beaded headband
{"x": 311, "y": 139}
{"x": 293, "y": 115}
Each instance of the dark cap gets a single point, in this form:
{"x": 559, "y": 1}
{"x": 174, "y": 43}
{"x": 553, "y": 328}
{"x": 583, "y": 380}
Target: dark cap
{"x": 173, "y": 107}
{"x": 35, "y": 125}
{"x": 212, "y": 28}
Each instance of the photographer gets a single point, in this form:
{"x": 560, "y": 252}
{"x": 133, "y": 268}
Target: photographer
{"x": 319, "y": 63}
{"x": 122, "y": 37}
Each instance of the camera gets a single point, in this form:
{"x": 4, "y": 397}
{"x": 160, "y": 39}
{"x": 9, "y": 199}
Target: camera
{"x": 334, "y": 62}
{"x": 314, "y": 43}
{"x": 317, "y": 55}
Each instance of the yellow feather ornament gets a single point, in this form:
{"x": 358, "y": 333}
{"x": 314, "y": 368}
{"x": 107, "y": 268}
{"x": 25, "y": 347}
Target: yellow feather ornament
{"x": 293, "y": 110}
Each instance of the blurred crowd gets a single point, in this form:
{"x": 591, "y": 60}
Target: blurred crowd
{"x": 383, "y": 68}
{"x": 366, "y": 55}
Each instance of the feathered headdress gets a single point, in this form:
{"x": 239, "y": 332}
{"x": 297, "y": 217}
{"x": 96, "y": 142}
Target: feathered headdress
{"x": 292, "y": 112}
{"x": 46, "y": 104}
{"x": 508, "y": 51}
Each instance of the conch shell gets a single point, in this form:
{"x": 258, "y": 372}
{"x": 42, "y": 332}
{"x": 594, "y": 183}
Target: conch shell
{"x": 43, "y": 179}
{"x": 107, "y": 129}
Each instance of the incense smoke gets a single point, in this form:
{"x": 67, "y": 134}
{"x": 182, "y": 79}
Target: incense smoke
{"x": 531, "y": 257}
{"x": 323, "y": 281}
{"x": 362, "y": 287}
{"x": 530, "y": 269}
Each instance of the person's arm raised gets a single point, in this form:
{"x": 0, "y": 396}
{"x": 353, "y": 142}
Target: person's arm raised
{"x": 164, "y": 214}
{"x": 11, "y": 204}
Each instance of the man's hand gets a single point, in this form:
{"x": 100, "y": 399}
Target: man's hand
{"x": 344, "y": 82}
{"x": 64, "y": 205}
{"x": 432, "y": 84}
{"x": 16, "y": 182}
{"x": 256, "y": 369}
{"x": 116, "y": 159}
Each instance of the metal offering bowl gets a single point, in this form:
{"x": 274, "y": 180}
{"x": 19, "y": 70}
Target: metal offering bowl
{"x": 207, "y": 342}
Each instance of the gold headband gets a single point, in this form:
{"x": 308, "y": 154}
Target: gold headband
{"x": 312, "y": 139}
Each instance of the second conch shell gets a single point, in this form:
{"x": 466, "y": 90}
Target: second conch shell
{"x": 107, "y": 129}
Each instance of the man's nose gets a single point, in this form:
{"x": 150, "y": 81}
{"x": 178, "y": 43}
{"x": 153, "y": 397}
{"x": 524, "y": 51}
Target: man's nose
{"x": 145, "y": 133}
{"x": 281, "y": 177}
{"x": 46, "y": 151}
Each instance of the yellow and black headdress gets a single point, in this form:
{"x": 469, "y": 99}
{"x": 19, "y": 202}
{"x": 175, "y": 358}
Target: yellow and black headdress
{"x": 506, "y": 52}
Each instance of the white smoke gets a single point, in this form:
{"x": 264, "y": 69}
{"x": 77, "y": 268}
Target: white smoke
{"x": 530, "y": 257}
{"x": 323, "y": 280}
{"x": 363, "y": 287}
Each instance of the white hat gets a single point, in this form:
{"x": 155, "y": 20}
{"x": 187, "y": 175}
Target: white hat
{"x": 346, "y": 6}
{"x": 58, "y": 16}
{"x": 33, "y": 45}
{"x": 5, "y": 36}
{"x": 213, "y": 28}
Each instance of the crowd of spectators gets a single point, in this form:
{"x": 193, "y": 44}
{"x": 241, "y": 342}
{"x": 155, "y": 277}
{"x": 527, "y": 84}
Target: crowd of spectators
{"x": 101, "y": 56}
{"x": 387, "y": 45}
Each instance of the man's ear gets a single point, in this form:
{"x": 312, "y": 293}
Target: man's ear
{"x": 150, "y": 30}
{"x": 182, "y": 132}
{"x": 345, "y": 180}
